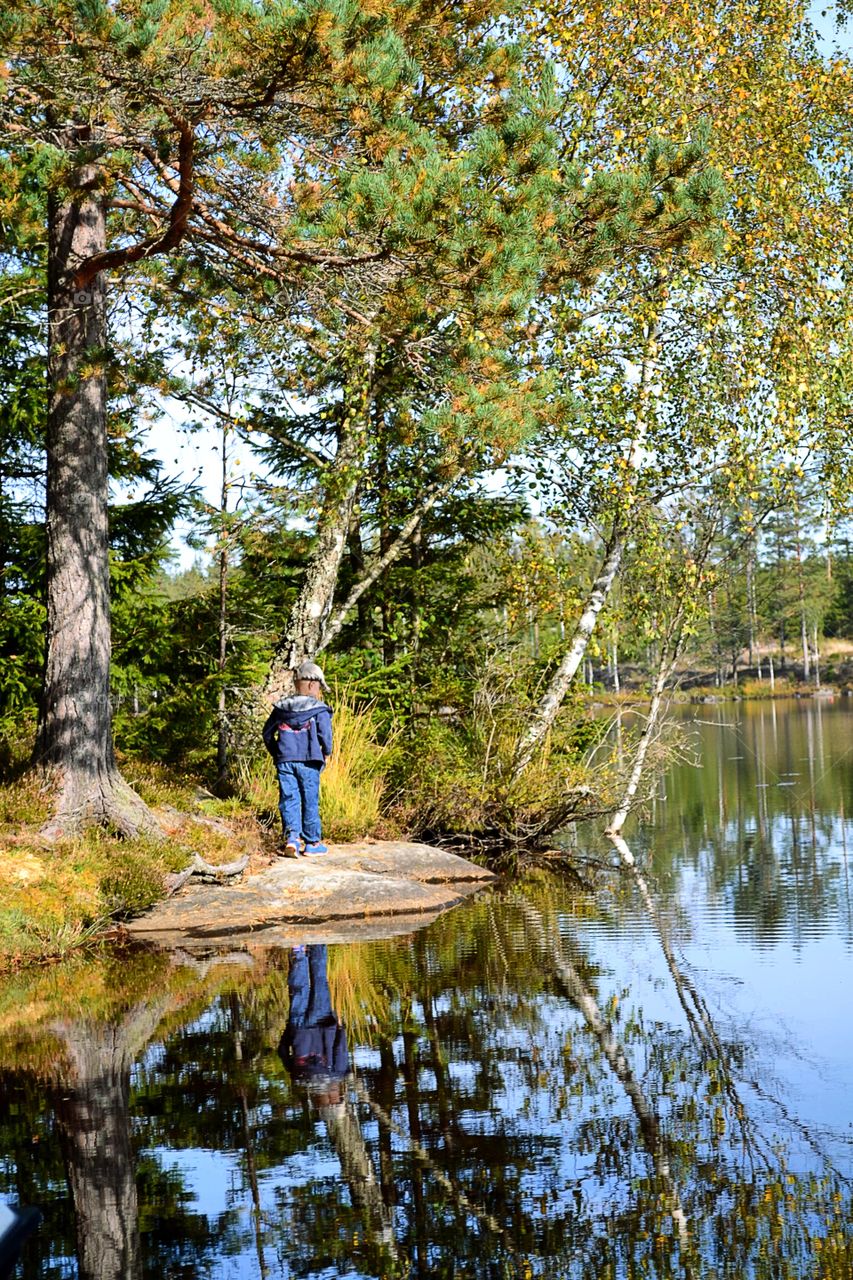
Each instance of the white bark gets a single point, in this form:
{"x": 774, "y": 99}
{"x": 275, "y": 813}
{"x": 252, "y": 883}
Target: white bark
{"x": 313, "y": 604}
{"x": 618, "y": 819}
{"x": 546, "y": 713}
{"x": 648, "y": 1121}
{"x": 378, "y": 566}
{"x": 669, "y": 655}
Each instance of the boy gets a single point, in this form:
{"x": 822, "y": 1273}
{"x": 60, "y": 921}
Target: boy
{"x": 298, "y": 736}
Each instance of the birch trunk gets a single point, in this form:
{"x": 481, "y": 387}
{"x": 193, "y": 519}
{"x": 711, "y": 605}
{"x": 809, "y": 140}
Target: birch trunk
{"x": 546, "y": 713}
{"x": 308, "y": 616}
{"x": 801, "y": 591}
{"x": 74, "y": 741}
{"x": 670, "y": 652}
{"x": 750, "y": 597}
{"x": 374, "y": 570}
{"x": 816, "y": 652}
{"x": 648, "y": 1121}
{"x": 618, "y": 819}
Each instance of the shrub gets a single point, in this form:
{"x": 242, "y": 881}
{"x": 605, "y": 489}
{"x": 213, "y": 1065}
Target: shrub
{"x": 455, "y": 779}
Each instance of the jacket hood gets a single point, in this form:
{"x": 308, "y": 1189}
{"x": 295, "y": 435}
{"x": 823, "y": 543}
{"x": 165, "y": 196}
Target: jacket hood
{"x": 300, "y": 708}
{"x": 299, "y": 703}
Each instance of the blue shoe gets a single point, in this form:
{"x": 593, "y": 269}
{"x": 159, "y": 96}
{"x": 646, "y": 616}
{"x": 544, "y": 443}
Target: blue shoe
{"x": 314, "y": 850}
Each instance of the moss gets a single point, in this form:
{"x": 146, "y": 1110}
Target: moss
{"x": 55, "y": 898}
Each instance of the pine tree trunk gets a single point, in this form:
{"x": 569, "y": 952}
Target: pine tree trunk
{"x": 74, "y": 740}
{"x": 546, "y": 713}
{"x": 222, "y": 763}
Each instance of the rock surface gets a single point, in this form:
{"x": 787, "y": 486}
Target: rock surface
{"x": 356, "y": 891}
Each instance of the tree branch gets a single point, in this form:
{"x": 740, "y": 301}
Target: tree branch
{"x": 178, "y": 218}
{"x": 378, "y": 566}
{"x": 208, "y": 406}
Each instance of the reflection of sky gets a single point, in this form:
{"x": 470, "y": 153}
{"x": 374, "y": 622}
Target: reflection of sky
{"x": 723, "y": 844}
{"x": 779, "y": 991}
{"x": 508, "y": 1070}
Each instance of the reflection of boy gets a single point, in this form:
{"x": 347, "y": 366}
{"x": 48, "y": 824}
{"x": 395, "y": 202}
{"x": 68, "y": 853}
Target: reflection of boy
{"x": 314, "y": 1044}
{"x": 298, "y": 736}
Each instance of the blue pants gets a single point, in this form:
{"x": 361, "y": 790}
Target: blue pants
{"x": 308, "y": 984}
{"x": 299, "y": 800}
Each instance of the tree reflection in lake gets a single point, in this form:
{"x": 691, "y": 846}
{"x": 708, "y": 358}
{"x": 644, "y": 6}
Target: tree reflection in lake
{"x": 764, "y": 818}
{"x": 542, "y": 1083}
{"x": 314, "y": 1051}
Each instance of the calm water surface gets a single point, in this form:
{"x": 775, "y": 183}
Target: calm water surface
{"x": 639, "y": 1080}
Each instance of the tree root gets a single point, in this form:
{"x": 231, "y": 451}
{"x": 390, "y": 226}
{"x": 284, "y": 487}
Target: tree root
{"x": 98, "y": 799}
{"x": 207, "y": 872}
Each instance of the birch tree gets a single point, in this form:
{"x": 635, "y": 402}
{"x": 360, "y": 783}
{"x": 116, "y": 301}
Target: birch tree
{"x": 734, "y": 392}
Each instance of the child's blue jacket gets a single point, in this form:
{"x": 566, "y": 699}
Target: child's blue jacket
{"x": 299, "y": 729}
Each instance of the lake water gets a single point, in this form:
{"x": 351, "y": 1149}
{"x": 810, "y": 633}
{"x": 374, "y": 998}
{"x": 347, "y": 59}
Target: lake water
{"x": 639, "y": 1079}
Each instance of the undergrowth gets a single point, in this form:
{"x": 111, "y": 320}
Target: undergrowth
{"x": 56, "y": 897}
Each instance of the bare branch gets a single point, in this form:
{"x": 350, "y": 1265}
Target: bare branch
{"x": 178, "y": 218}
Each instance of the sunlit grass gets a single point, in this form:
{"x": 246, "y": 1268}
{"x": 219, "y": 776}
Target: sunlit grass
{"x": 352, "y": 785}
{"x": 751, "y": 688}
{"x": 353, "y": 782}
{"x": 55, "y": 897}
{"x": 359, "y": 1001}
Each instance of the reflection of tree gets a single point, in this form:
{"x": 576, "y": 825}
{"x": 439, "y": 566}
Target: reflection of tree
{"x": 314, "y": 1049}
{"x": 776, "y": 781}
{"x": 516, "y": 1115}
{"x": 91, "y": 1107}
{"x": 81, "y": 1061}
{"x": 578, "y": 991}
{"x": 706, "y": 1159}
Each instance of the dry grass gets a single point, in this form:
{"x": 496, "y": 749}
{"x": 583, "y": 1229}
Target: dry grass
{"x": 354, "y": 779}
{"x": 56, "y": 897}
{"x": 360, "y": 1003}
{"x": 352, "y": 784}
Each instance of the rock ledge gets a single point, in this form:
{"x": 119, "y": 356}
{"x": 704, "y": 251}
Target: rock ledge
{"x": 367, "y": 890}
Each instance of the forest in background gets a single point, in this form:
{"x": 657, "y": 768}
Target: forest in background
{"x": 526, "y": 334}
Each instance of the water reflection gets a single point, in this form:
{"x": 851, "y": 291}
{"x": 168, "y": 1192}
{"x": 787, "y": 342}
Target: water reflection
{"x": 314, "y": 1051}
{"x": 763, "y": 821}
{"x": 547, "y": 1083}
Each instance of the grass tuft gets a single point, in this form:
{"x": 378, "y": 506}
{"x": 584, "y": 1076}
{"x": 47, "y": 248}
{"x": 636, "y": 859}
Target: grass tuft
{"x": 56, "y": 897}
